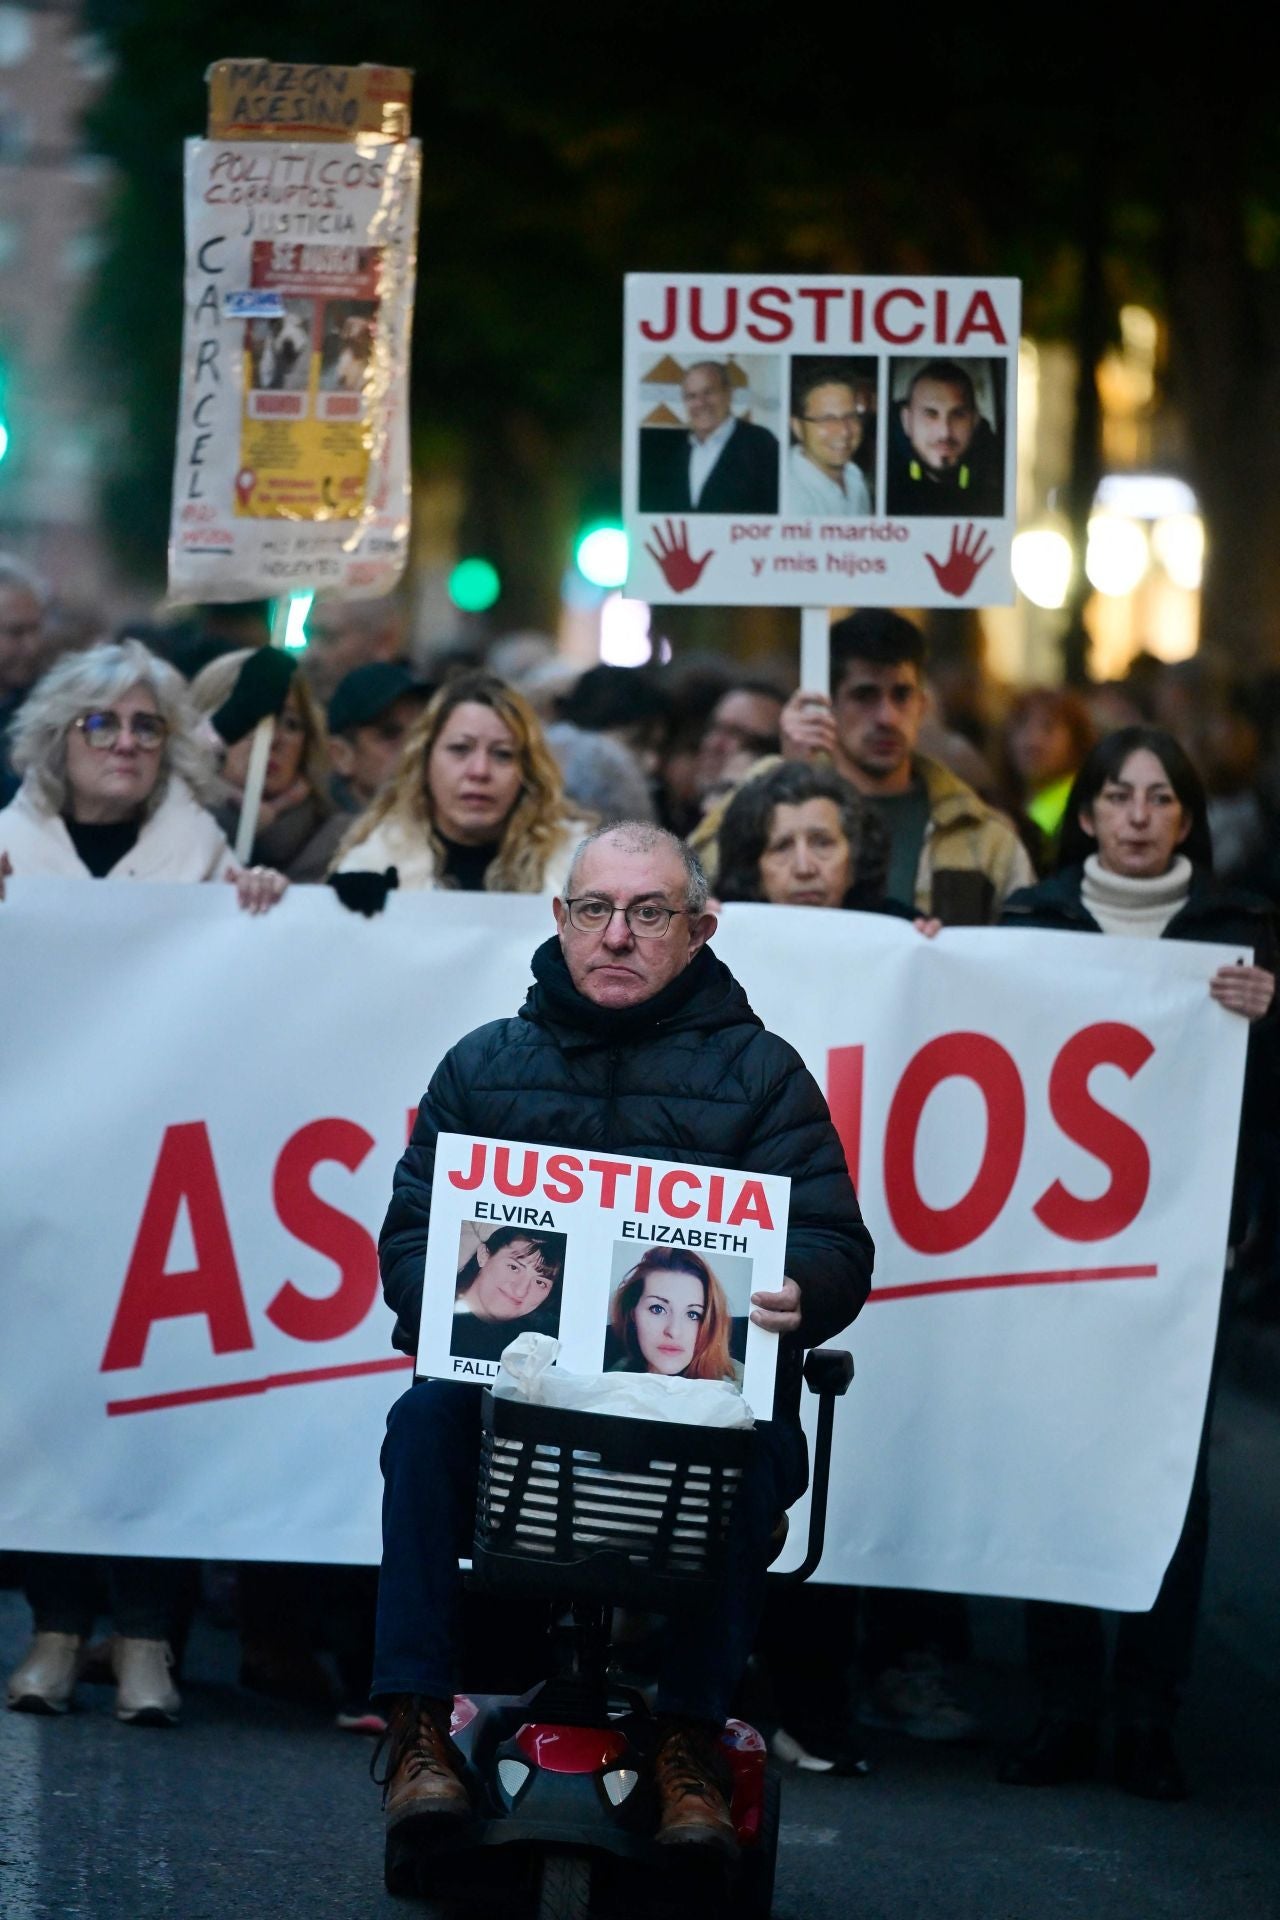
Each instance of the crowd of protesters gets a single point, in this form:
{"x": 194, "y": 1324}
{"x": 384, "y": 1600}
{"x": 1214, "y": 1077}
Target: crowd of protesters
{"x": 1148, "y": 807}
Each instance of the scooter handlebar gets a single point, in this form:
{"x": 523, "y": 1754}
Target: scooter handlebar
{"x": 828, "y": 1370}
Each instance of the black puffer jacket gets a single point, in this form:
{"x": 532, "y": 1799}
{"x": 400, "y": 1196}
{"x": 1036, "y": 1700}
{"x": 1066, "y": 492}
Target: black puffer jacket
{"x": 690, "y": 1075}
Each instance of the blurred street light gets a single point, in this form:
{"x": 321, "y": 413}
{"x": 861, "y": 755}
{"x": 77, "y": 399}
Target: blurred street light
{"x": 1178, "y": 541}
{"x": 1117, "y": 555}
{"x": 295, "y": 632}
{"x": 624, "y": 632}
{"x": 1042, "y": 566}
{"x": 474, "y": 585}
{"x": 601, "y": 554}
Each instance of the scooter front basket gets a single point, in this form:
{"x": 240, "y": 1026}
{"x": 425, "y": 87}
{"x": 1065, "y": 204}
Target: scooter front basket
{"x": 596, "y": 1506}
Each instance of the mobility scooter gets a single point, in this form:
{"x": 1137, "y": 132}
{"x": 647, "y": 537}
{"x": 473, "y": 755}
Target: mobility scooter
{"x": 586, "y": 1511}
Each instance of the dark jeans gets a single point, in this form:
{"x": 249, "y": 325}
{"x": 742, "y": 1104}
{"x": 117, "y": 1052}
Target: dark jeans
{"x": 145, "y": 1598}
{"x": 430, "y": 1466}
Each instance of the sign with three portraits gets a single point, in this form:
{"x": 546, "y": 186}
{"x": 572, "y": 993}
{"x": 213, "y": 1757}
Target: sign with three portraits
{"x": 635, "y": 1266}
{"x": 826, "y": 441}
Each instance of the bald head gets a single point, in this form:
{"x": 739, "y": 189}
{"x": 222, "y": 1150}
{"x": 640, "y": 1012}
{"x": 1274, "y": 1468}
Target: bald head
{"x": 641, "y": 836}
{"x": 708, "y": 397}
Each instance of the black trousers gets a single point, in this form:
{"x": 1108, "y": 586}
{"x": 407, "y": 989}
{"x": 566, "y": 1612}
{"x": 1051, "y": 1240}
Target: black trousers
{"x": 1066, "y": 1646}
{"x": 146, "y": 1599}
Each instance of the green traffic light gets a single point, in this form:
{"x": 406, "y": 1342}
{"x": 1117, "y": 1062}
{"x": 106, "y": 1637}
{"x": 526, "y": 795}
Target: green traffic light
{"x": 4, "y": 439}
{"x": 474, "y": 586}
{"x": 602, "y": 553}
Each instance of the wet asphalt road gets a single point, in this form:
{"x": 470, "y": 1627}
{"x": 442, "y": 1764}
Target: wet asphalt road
{"x": 250, "y": 1809}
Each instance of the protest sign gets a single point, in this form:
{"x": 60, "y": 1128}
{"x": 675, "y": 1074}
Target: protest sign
{"x": 206, "y": 1107}
{"x": 820, "y": 441}
{"x": 292, "y": 465}
{"x": 635, "y": 1266}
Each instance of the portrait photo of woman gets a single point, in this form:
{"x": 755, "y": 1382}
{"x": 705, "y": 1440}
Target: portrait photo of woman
{"x": 670, "y": 1314}
{"x": 508, "y": 1284}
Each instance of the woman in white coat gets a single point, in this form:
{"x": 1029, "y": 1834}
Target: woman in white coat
{"x": 113, "y": 777}
{"x": 476, "y": 803}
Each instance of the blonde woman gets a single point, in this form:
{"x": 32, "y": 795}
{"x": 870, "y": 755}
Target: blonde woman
{"x": 299, "y": 826}
{"x": 476, "y": 802}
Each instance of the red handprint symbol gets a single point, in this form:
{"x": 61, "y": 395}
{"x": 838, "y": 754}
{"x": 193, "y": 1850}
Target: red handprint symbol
{"x": 679, "y": 568}
{"x": 963, "y": 563}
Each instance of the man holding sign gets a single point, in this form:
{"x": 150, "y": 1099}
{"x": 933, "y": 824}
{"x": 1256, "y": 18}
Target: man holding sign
{"x": 634, "y": 1041}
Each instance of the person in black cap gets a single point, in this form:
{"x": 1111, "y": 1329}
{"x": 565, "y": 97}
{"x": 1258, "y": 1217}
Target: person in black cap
{"x": 372, "y": 709}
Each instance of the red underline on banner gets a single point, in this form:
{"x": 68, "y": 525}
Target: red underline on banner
{"x": 193, "y": 1396}
{"x": 1063, "y": 1276}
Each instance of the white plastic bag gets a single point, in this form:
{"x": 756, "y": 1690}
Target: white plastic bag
{"x": 528, "y": 1373}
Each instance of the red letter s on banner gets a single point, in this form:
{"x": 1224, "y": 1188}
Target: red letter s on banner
{"x": 322, "y": 1227}
{"x": 1122, "y": 1151}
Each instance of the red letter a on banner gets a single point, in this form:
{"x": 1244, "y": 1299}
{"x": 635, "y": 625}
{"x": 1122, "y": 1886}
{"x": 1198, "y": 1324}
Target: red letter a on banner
{"x": 184, "y": 1171}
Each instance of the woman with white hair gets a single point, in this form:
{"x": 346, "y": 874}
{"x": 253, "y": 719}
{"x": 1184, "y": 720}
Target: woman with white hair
{"x": 112, "y": 780}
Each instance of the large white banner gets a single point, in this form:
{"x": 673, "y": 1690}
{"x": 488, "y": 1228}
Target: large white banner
{"x": 203, "y": 1110}
{"x": 817, "y": 442}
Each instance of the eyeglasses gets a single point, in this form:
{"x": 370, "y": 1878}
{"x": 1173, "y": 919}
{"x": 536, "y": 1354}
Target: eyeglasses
{"x": 102, "y": 728}
{"x": 831, "y": 419}
{"x": 645, "y": 918}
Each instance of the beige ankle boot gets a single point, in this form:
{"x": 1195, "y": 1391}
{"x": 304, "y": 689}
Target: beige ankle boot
{"x": 145, "y": 1693}
{"x": 46, "y": 1677}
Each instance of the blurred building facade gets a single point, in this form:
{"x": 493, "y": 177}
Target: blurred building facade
{"x": 55, "y": 411}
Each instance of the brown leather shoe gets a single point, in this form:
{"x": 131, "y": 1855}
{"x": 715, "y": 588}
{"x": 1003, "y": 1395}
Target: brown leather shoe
{"x": 423, "y": 1778}
{"x": 694, "y": 1788}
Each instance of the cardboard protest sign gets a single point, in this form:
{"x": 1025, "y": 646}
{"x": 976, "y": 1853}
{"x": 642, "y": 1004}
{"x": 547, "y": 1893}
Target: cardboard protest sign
{"x": 635, "y": 1266}
{"x": 820, "y": 441}
{"x": 283, "y": 100}
{"x": 292, "y": 467}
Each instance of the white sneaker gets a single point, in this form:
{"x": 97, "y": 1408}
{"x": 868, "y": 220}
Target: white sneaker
{"x": 45, "y": 1679}
{"x": 916, "y": 1700}
{"x": 145, "y": 1693}
{"x": 818, "y": 1751}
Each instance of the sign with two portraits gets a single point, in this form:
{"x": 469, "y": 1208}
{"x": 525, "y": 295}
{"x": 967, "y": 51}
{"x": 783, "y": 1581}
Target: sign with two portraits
{"x": 634, "y": 1266}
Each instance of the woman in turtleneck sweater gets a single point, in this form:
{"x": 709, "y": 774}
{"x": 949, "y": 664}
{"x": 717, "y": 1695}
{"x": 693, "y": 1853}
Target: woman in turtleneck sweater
{"x": 1136, "y": 860}
{"x": 476, "y": 801}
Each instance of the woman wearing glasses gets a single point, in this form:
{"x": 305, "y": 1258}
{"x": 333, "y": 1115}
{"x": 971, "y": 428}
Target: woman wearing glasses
{"x": 113, "y": 775}
{"x": 113, "y": 779}
{"x": 476, "y": 803}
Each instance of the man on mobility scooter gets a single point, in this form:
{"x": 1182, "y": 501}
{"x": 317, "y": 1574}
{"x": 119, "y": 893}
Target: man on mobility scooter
{"x": 635, "y": 1039}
